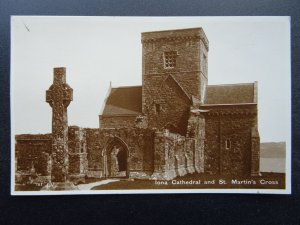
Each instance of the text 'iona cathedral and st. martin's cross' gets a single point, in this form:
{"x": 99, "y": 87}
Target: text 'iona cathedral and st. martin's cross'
{"x": 172, "y": 125}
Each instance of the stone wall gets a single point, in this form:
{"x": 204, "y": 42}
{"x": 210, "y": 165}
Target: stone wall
{"x": 117, "y": 121}
{"x": 32, "y": 152}
{"x": 77, "y": 151}
{"x": 94, "y": 149}
{"x": 173, "y": 111}
{"x": 228, "y": 139}
{"x": 196, "y": 134}
{"x": 255, "y": 152}
{"x": 188, "y": 43}
{"x": 174, "y": 155}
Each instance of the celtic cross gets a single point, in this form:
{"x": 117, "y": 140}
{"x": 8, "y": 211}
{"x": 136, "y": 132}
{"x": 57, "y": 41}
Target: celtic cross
{"x": 59, "y": 96}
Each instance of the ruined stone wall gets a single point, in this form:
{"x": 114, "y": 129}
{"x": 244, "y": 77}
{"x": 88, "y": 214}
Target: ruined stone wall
{"x": 174, "y": 155}
{"x": 93, "y": 148}
{"x": 228, "y": 139}
{"x": 139, "y": 143}
{"x": 77, "y": 150}
{"x": 196, "y": 132}
{"x": 33, "y": 151}
{"x": 117, "y": 121}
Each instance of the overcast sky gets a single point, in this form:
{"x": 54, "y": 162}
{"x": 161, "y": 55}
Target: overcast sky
{"x": 97, "y": 50}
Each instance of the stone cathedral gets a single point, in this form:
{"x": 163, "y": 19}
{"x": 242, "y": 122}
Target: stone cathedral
{"x": 175, "y": 123}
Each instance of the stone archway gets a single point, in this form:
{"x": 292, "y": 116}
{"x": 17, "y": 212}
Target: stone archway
{"x": 116, "y": 159}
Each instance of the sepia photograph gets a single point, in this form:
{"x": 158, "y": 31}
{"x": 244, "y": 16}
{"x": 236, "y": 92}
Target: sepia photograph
{"x": 115, "y": 105}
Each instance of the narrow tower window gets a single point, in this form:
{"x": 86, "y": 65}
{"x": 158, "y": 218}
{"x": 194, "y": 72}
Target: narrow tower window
{"x": 157, "y": 108}
{"x": 227, "y": 144}
{"x": 204, "y": 64}
{"x": 170, "y": 59}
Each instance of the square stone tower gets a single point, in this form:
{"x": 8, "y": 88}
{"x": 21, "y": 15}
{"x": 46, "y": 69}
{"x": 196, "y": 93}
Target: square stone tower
{"x": 174, "y": 70}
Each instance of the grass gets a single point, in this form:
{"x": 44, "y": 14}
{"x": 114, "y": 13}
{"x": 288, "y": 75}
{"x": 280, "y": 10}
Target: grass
{"x": 27, "y": 187}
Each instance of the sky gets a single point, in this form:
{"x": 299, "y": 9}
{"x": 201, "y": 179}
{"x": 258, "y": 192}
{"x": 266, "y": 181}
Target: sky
{"x": 100, "y": 50}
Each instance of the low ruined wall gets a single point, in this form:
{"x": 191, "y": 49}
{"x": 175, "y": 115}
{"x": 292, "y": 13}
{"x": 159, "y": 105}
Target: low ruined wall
{"x": 77, "y": 150}
{"x": 32, "y": 152}
{"x": 174, "y": 155}
{"x": 93, "y": 148}
{"x": 195, "y": 139}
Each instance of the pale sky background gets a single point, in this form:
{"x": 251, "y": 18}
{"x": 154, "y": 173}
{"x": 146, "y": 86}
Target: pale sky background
{"x": 97, "y": 50}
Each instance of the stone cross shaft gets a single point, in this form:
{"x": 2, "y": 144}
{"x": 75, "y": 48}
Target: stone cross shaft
{"x": 59, "y": 96}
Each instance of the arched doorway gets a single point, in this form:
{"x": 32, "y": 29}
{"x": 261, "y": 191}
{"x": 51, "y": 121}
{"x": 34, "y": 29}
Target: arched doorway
{"x": 116, "y": 159}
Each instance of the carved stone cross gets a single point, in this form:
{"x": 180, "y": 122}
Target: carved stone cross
{"x": 59, "y": 96}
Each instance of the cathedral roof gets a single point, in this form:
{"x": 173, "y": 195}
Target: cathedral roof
{"x": 123, "y": 101}
{"x": 231, "y": 94}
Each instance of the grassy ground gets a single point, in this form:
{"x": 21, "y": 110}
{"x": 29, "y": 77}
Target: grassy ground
{"x": 27, "y": 187}
{"x": 197, "y": 181}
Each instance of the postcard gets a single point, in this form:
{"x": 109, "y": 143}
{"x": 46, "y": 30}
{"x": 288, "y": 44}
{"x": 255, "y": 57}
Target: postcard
{"x": 127, "y": 105}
